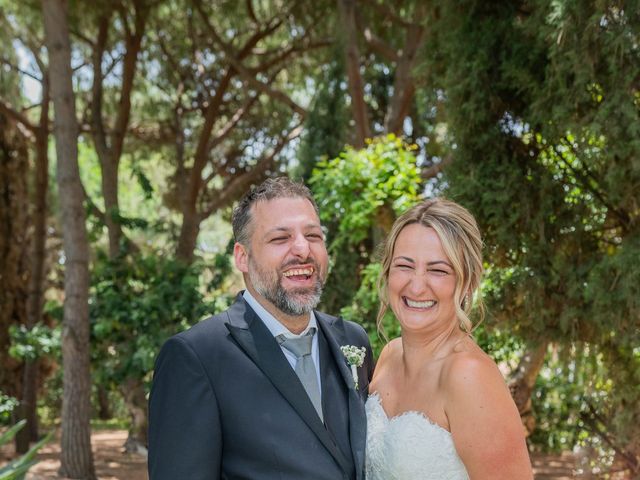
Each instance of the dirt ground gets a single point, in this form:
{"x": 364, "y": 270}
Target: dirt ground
{"x": 112, "y": 464}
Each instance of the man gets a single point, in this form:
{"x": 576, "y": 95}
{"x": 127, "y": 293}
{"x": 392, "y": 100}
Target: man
{"x": 234, "y": 397}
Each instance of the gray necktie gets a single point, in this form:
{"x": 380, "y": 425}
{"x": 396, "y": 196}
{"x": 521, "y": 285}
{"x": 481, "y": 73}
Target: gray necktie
{"x": 305, "y": 367}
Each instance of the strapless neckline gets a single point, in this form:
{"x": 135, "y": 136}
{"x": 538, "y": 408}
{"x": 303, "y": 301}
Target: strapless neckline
{"x": 408, "y": 446}
{"x": 375, "y": 397}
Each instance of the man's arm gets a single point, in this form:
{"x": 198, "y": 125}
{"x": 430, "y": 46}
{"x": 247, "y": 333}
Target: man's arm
{"x": 185, "y": 439}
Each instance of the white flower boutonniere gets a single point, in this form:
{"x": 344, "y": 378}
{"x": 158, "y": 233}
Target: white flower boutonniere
{"x": 355, "y": 358}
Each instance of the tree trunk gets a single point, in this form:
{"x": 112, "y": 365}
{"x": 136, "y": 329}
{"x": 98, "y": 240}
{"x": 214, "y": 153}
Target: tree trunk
{"x": 109, "y": 170}
{"x": 356, "y": 84}
{"x": 403, "y": 85}
{"x": 36, "y": 285}
{"x": 136, "y": 401}
{"x": 191, "y": 219}
{"x": 13, "y": 254}
{"x": 524, "y": 379}
{"x": 104, "y": 406}
{"x": 109, "y": 153}
{"x": 188, "y": 235}
{"x": 76, "y": 455}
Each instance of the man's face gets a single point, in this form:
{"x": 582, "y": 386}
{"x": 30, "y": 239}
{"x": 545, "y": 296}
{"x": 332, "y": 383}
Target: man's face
{"x": 286, "y": 262}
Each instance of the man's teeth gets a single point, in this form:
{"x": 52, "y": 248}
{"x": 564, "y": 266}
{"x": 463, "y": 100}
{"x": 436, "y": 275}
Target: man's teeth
{"x": 298, "y": 271}
{"x": 426, "y": 304}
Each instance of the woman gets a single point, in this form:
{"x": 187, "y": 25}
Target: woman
{"x": 438, "y": 405}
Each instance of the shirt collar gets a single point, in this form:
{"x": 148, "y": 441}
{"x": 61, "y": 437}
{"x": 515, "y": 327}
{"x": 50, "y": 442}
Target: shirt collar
{"x": 275, "y": 327}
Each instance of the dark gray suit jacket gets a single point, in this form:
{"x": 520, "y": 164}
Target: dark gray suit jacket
{"x": 226, "y": 404}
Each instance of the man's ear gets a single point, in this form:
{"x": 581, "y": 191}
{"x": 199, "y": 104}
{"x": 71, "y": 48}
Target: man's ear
{"x": 241, "y": 257}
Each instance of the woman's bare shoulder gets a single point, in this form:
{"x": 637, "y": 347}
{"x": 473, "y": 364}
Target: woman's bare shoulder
{"x": 391, "y": 351}
{"x": 389, "y": 356}
{"x": 469, "y": 368}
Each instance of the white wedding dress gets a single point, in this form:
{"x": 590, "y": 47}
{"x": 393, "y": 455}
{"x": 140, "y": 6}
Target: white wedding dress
{"x": 409, "y": 447}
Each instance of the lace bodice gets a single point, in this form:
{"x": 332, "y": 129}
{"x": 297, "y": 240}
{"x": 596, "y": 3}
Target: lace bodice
{"x": 409, "y": 447}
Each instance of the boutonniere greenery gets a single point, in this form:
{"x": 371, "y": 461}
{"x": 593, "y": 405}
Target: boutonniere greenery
{"x": 355, "y": 358}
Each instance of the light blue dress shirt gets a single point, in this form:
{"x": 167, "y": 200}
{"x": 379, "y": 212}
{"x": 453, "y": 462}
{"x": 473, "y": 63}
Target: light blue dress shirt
{"x": 276, "y": 328}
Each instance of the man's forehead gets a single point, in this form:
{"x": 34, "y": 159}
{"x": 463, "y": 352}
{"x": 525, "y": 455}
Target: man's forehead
{"x": 268, "y": 204}
{"x": 262, "y": 212}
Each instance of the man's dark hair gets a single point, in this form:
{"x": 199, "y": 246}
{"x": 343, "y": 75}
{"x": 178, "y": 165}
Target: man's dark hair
{"x": 272, "y": 188}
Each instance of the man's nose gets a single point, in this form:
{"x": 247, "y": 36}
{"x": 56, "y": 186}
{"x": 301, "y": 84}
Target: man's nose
{"x": 300, "y": 247}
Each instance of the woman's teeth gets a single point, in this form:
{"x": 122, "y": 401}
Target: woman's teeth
{"x": 425, "y": 304}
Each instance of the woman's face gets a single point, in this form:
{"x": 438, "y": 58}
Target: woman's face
{"x": 421, "y": 281}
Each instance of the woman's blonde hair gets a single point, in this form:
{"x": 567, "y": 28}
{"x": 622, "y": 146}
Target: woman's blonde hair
{"x": 461, "y": 241}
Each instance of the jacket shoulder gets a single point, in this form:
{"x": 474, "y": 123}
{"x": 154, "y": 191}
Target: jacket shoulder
{"x": 205, "y": 332}
{"x": 353, "y": 332}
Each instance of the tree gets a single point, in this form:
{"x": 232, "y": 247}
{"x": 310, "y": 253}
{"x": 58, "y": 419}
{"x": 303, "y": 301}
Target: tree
{"x": 233, "y": 78}
{"x": 13, "y": 255}
{"x": 358, "y": 192}
{"x": 392, "y": 39}
{"x": 38, "y": 133}
{"x": 136, "y": 304}
{"x": 77, "y": 458}
{"x": 109, "y": 140}
{"x": 542, "y": 103}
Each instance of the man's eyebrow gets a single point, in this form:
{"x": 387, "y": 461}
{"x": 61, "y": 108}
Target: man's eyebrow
{"x": 277, "y": 230}
{"x": 283, "y": 229}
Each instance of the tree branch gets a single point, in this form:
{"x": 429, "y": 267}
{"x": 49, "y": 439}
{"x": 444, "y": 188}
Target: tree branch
{"x": 379, "y": 46}
{"x": 241, "y": 183}
{"x": 356, "y": 83}
{"x": 99, "y": 46}
{"x": 432, "y": 171}
{"x": 403, "y": 84}
{"x": 233, "y": 58}
{"x": 133, "y": 44}
{"x": 4, "y": 61}
{"x": 24, "y": 121}
{"x": 387, "y": 13}
{"x": 286, "y": 53}
{"x": 586, "y": 180}
{"x": 251, "y": 12}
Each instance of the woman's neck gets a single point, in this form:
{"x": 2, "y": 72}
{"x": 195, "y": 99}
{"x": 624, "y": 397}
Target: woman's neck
{"x": 420, "y": 348}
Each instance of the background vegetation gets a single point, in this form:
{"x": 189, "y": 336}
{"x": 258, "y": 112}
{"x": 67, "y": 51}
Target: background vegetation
{"x": 527, "y": 112}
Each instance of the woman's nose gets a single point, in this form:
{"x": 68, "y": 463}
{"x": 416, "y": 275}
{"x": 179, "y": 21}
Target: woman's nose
{"x": 418, "y": 283}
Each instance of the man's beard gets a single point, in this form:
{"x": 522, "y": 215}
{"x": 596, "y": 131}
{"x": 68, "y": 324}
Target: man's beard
{"x": 291, "y": 302}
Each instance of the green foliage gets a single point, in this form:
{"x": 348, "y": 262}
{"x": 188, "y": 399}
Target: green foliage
{"x": 31, "y": 344}
{"x": 7, "y": 404}
{"x": 136, "y": 303}
{"x": 326, "y": 126}
{"x": 359, "y": 187}
{"x": 542, "y": 103}
{"x": 364, "y": 308}
{"x": 359, "y": 195}
{"x": 17, "y": 469}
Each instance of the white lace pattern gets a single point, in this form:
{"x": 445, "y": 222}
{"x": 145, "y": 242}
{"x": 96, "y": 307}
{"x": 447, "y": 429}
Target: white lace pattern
{"x": 409, "y": 447}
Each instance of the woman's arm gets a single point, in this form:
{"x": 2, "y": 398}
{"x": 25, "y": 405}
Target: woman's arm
{"x": 484, "y": 420}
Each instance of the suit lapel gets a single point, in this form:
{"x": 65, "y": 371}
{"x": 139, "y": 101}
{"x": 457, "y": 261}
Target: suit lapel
{"x": 335, "y": 337}
{"x": 255, "y": 339}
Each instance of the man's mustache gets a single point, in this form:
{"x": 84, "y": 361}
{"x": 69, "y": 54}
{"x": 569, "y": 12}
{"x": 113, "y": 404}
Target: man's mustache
{"x": 307, "y": 261}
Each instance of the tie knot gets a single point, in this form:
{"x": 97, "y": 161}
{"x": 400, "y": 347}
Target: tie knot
{"x": 299, "y": 346}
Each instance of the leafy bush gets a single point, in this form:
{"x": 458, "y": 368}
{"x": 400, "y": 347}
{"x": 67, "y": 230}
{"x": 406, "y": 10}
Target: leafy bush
{"x": 7, "y": 404}
{"x": 360, "y": 193}
{"x": 136, "y": 303}
{"x": 17, "y": 469}
{"x": 31, "y": 344}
